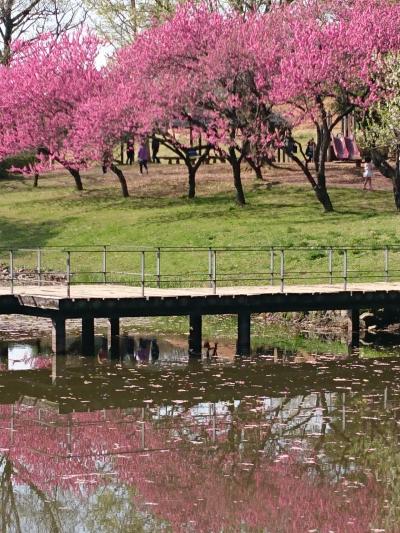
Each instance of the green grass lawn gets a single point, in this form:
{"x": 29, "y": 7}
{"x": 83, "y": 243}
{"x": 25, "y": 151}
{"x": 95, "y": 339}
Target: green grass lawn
{"x": 56, "y": 215}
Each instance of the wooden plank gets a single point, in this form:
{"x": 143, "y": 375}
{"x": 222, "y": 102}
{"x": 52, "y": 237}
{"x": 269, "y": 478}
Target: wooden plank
{"x": 28, "y": 295}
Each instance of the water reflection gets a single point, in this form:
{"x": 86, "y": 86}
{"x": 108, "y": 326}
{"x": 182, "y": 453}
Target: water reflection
{"x": 273, "y": 443}
{"x": 28, "y": 354}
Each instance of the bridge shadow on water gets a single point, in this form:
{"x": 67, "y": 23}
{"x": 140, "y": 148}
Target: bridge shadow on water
{"x": 143, "y": 359}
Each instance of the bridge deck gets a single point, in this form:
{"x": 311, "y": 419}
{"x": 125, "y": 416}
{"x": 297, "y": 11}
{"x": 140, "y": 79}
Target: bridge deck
{"x": 104, "y": 300}
{"x": 111, "y": 291}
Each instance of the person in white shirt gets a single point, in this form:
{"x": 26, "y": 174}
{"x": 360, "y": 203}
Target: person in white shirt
{"x": 368, "y": 174}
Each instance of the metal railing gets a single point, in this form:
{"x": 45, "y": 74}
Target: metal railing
{"x": 211, "y": 267}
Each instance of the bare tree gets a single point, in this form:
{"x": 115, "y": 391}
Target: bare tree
{"x": 120, "y": 20}
{"x": 112, "y": 19}
{"x": 27, "y": 18}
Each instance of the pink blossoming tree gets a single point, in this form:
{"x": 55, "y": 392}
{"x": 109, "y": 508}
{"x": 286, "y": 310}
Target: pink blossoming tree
{"x": 324, "y": 57}
{"x": 196, "y": 68}
{"x": 40, "y": 91}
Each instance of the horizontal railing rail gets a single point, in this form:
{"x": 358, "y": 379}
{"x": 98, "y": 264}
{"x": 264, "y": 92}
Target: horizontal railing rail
{"x": 198, "y": 266}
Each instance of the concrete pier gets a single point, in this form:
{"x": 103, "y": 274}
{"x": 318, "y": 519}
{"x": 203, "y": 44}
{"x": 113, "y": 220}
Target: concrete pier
{"x": 87, "y": 336}
{"x": 58, "y": 366}
{"x": 113, "y": 337}
{"x": 243, "y": 338}
{"x": 195, "y": 335}
{"x": 58, "y": 336}
{"x": 353, "y": 332}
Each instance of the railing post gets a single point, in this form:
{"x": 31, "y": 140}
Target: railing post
{"x": 330, "y": 265}
{"x": 104, "y": 267}
{"x": 39, "y": 266}
{"x": 158, "y": 267}
{"x": 12, "y": 271}
{"x": 345, "y": 269}
{"x": 214, "y": 271}
{"x": 210, "y": 268}
{"x": 68, "y": 273}
{"x": 272, "y": 265}
{"x": 386, "y": 264}
{"x": 282, "y": 270}
{"x": 142, "y": 268}
{"x": 343, "y": 411}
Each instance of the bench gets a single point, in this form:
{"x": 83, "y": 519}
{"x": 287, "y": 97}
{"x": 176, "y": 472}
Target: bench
{"x": 177, "y": 160}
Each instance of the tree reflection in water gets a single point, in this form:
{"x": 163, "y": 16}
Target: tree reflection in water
{"x": 324, "y": 460}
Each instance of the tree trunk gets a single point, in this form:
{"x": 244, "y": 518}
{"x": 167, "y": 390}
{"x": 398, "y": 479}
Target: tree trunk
{"x": 35, "y": 179}
{"x": 237, "y": 180}
{"x": 318, "y": 184}
{"x": 193, "y": 167}
{"x": 120, "y": 175}
{"x": 321, "y": 190}
{"x": 77, "y": 177}
{"x": 396, "y": 192}
{"x": 192, "y": 181}
{"x": 73, "y": 171}
{"x": 382, "y": 165}
{"x": 258, "y": 172}
{"x": 8, "y": 23}
{"x": 235, "y": 163}
{"x": 257, "y": 168}
{"x": 396, "y": 180}
{"x": 324, "y": 199}
{"x": 389, "y": 172}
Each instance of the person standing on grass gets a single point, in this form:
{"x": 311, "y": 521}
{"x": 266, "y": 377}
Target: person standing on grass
{"x": 143, "y": 157}
{"x": 155, "y": 146}
{"x": 368, "y": 174}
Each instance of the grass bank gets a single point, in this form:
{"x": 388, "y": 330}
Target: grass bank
{"x": 159, "y": 214}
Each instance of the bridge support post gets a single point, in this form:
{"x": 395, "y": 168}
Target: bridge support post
{"x": 353, "y": 332}
{"x": 57, "y": 367}
{"x": 4, "y": 355}
{"x": 243, "y": 338}
{"x": 113, "y": 337}
{"x": 58, "y": 336}
{"x": 87, "y": 336}
{"x": 195, "y": 335}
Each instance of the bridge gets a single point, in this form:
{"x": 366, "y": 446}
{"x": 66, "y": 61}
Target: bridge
{"x": 90, "y": 283}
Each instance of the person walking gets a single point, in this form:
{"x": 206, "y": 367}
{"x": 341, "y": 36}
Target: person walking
{"x": 310, "y": 150}
{"x": 155, "y": 146}
{"x": 289, "y": 143}
{"x": 143, "y": 157}
{"x": 368, "y": 174}
{"x": 130, "y": 152}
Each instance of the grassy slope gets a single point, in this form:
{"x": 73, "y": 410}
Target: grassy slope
{"x": 158, "y": 214}
{"x": 56, "y": 214}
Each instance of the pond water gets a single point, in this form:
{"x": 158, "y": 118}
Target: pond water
{"x": 278, "y": 442}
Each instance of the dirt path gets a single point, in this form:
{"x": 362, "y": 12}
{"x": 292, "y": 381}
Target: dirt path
{"x": 171, "y": 180}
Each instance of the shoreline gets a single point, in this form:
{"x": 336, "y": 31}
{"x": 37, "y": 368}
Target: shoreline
{"x": 324, "y": 324}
